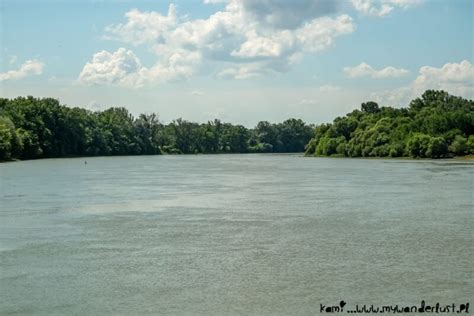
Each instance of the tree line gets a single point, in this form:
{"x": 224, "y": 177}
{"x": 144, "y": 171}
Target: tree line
{"x": 436, "y": 125}
{"x": 33, "y": 128}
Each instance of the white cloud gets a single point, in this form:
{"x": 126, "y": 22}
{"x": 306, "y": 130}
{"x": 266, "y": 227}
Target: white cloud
{"x": 320, "y": 33}
{"x": 382, "y": 8}
{"x": 29, "y": 68}
{"x": 143, "y": 27}
{"x": 365, "y": 70}
{"x": 285, "y": 45}
{"x": 455, "y": 78}
{"x": 243, "y": 40}
{"x": 179, "y": 64}
{"x": 395, "y": 97}
{"x": 214, "y": 1}
{"x": 329, "y": 88}
{"x": 121, "y": 67}
{"x": 242, "y": 72}
{"x": 286, "y": 14}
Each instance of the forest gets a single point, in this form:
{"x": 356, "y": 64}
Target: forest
{"x": 437, "y": 125}
{"x": 33, "y": 128}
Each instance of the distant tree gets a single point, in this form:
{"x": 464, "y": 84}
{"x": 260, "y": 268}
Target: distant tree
{"x": 7, "y": 133}
{"x": 434, "y": 125}
{"x": 424, "y": 129}
{"x": 370, "y": 107}
{"x": 293, "y": 135}
{"x": 146, "y": 133}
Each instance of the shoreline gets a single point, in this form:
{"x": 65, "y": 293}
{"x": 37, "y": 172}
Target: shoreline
{"x": 159, "y": 155}
{"x": 469, "y": 158}
{"x": 466, "y": 157}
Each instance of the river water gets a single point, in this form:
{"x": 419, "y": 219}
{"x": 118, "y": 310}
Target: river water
{"x": 232, "y": 234}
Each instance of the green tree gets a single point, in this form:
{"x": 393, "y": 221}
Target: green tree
{"x": 7, "y": 130}
{"x": 437, "y": 148}
{"x": 421, "y": 130}
{"x": 459, "y": 145}
{"x": 370, "y": 107}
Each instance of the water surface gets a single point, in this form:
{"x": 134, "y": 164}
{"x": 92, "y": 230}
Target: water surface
{"x": 232, "y": 234}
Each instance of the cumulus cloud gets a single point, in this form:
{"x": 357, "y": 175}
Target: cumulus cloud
{"x": 455, "y": 78}
{"x": 287, "y": 14}
{"x": 246, "y": 39}
{"x": 143, "y": 27}
{"x": 320, "y": 33}
{"x": 28, "y": 68}
{"x": 382, "y": 8}
{"x": 121, "y": 67}
{"x": 365, "y": 70}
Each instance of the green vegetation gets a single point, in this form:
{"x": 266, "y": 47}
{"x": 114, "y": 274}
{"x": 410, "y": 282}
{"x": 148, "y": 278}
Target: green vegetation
{"x": 436, "y": 125}
{"x": 42, "y": 128}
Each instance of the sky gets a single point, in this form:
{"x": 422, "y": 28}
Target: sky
{"x": 241, "y": 61}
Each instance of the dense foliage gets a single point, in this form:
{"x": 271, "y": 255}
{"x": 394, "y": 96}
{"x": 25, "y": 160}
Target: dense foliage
{"x": 41, "y": 128}
{"x": 433, "y": 126}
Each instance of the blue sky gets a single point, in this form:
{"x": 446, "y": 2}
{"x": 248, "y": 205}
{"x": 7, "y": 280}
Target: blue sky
{"x": 241, "y": 61}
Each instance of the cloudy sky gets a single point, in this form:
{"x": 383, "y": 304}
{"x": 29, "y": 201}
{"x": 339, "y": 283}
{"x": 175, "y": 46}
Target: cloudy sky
{"x": 238, "y": 60}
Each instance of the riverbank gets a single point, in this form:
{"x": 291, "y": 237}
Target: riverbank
{"x": 466, "y": 157}
{"x": 460, "y": 158}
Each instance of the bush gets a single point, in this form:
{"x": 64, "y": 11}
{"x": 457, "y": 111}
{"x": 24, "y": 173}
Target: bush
{"x": 459, "y": 146}
{"x": 470, "y": 144}
{"x": 417, "y": 145}
{"x": 437, "y": 148}
{"x": 396, "y": 150}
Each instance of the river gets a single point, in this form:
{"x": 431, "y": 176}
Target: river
{"x": 232, "y": 234}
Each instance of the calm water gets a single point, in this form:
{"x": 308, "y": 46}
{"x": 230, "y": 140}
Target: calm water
{"x": 232, "y": 234}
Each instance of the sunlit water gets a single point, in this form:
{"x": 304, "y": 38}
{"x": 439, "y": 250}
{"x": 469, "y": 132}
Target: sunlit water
{"x": 232, "y": 234}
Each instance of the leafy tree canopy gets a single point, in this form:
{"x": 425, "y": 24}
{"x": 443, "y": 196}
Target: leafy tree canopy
{"x": 41, "y": 128}
{"x": 434, "y": 126}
